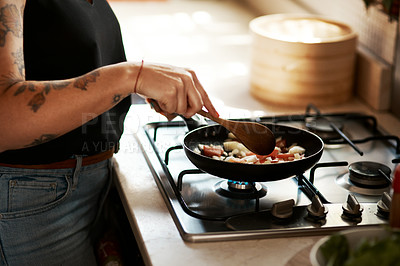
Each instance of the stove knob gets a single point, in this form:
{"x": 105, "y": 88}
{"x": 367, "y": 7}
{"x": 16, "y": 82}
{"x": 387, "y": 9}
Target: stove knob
{"x": 352, "y": 208}
{"x": 283, "y": 209}
{"x": 316, "y": 210}
{"x": 384, "y": 206}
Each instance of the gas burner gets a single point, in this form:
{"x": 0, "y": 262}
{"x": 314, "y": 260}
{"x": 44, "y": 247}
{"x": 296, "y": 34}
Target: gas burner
{"x": 366, "y": 178}
{"x": 369, "y": 174}
{"x": 240, "y": 185}
{"x": 240, "y": 189}
{"x": 321, "y": 127}
{"x": 344, "y": 182}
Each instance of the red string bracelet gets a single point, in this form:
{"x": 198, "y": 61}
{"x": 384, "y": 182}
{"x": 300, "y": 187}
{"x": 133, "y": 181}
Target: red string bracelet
{"x": 137, "y": 77}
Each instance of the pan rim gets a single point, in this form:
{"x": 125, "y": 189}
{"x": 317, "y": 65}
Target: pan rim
{"x": 273, "y": 124}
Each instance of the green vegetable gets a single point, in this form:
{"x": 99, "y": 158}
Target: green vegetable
{"x": 335, "y": 250}
{"x": 384, "y": 252}
{"x": 377, "y": 252}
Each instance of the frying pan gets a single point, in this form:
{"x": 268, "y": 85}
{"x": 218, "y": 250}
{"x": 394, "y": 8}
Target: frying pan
{"x": 217, "y": 134}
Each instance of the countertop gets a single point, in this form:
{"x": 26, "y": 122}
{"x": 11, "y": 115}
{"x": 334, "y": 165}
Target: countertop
{"x": 212, "y": 38}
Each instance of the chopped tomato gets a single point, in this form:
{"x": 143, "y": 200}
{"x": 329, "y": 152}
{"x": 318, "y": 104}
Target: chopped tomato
{"x": 211, "y": 151}
{"x": 262, "y": 158}
{"x": 284, "y": 156}
{"x": 274, "y": 153}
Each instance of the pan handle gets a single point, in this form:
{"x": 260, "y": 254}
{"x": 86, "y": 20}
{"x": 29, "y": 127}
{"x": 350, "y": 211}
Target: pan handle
{"x": 194, "y": 122}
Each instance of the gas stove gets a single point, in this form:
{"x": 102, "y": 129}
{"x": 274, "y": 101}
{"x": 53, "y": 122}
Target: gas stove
{"x": 348, "y": 187}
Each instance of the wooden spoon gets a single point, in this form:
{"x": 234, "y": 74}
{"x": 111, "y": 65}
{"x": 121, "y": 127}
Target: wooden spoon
{"x": 255, "y": 136}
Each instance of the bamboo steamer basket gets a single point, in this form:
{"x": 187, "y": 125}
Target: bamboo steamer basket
{"x": 302, "y": 59}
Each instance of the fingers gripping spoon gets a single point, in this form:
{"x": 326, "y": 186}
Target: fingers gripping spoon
{"x": 255, "y": 136}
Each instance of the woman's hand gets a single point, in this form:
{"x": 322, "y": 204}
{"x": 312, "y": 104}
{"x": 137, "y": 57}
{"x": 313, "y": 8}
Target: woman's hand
{"x": 176, "y": 90}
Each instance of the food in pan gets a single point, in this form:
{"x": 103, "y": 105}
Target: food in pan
{"x": 235, "y": 152}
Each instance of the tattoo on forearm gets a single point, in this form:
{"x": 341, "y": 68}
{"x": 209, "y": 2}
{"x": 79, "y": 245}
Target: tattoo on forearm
{"x": 42, "y": 139}
{"x": 41, "y": 90}
{"x": 24, "y": 87}
{"x": 40, "y": 97}
{"x": 83, "y": 82}
{"x": 37, "y": 101}
{"x": 117, "y": 98}
{"x": 10, "y": 21}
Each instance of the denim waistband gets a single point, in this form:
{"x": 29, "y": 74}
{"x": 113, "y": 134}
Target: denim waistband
{"x": 69, "y": 163}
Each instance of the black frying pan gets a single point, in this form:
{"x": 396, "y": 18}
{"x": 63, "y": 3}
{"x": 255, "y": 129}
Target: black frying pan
{"x": 216, "y": 134}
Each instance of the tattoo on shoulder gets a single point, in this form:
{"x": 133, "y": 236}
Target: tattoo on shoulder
{"x": 42, "y": 139}
{"x": 82, "y": 82}
{"x": 10, "y": 21}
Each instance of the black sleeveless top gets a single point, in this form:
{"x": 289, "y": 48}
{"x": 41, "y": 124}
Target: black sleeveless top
{"x": 65, "y": 39}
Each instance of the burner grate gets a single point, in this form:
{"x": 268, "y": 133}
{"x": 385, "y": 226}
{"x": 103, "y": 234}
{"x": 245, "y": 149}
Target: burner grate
{"x": 241, "y": 190}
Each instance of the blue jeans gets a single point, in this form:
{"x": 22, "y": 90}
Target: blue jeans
{"x": 47, "y": 216}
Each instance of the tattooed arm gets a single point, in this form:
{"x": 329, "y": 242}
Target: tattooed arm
{"x": 33, "y": 112}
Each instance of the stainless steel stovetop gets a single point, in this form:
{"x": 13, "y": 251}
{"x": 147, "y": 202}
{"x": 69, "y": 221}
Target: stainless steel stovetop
{"x": 324, "y": 199}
